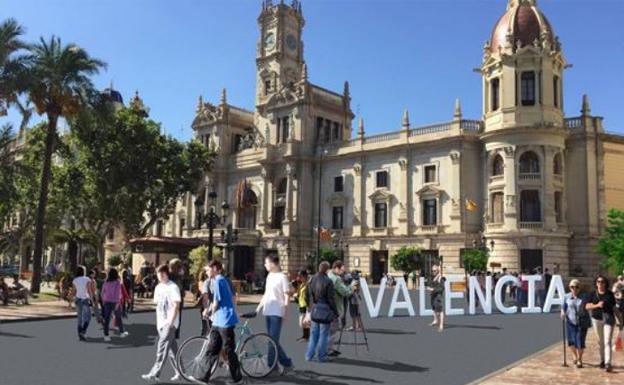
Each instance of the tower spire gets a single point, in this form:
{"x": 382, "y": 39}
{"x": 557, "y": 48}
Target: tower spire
{"x": 457, "y": 114}
{"x": 304, "y": 72}
{"x": 585, "y": 109}
{"x": 223, "y": 96}
{"x": 361, "y": 128}
{"x": 406, "y": 123}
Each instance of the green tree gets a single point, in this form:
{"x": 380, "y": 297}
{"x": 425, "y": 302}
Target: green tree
{"x": 59, "y": 84}
{"x": 406, "y": 259}
{"x": 12, "y": 63}
{"x": 475, "y": 259}
{"x": 8, "y": 188}
{"x": 328, "y": 254}
{"x": 198, "y": 257}
{"x": 611, "y": 244}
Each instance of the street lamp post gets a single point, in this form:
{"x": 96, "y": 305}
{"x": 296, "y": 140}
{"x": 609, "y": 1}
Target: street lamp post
{"x": 229, "y": 236}
{"x": 212, "y": 219}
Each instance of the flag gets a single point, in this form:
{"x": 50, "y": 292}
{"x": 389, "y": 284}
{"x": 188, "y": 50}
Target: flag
{"x": 471, "y": 205}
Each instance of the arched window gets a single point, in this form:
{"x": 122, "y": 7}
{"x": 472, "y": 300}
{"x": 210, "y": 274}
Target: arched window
{"x": 279, "y": 208}
{"x": 498, "y": 166}
{"x": 247, "y": 211}
{"x": 495, "y": 87}
{"x": 527, "y": 88}
{"x": 529, "y": 163}
{"x": 557, "y": 166}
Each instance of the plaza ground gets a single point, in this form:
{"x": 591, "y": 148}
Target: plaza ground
{"x": 403, "y": 350}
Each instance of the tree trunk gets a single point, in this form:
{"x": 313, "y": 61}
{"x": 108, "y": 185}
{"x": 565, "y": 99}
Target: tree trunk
{"x": 72, "y": 250}
{"x": 43, "y": 202}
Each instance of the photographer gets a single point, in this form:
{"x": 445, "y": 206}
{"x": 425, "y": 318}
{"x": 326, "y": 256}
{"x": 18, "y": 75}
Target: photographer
{"x": 342, "y": 292}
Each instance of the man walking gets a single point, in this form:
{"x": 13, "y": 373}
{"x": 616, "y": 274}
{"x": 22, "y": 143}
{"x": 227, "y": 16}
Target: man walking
{"x": 320, "y": 294}
{"x": 84, "y": 294}
{"x": 222, "y": 335}
{"x": 167, "y": 299}
{"x": 341, "y": 292}
{"x": 274, "y": 303}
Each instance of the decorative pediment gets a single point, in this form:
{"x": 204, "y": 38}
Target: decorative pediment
{"x": 338, "y": 199}
{"x": 430, "y": 190}
{"x": 207, "y": 113}
{"x": 286, "y": 96}
{"x": 380, "y": 195}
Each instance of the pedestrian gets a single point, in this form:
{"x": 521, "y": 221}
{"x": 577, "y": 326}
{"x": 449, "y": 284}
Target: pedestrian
{"x": 602, "y": 303}
{"x": 341, "y": 291}
{"x": 577, "y": 321}
{"x": 302, "y": 301}
{"x": 95, "y": 303}
{"x": 50, "y": 271}
{"x": 436, "y": 287}
{"x": 413, "y": 277}
{"x": 540, "y": 287}
{"x": 322, "y": 313}
{"x": 618, "y": 293}
{"x": 274, "y": 305}
{"x": 111, "y": 299}
{"x": 176, "y": 270}
{"x": 167, "y": 300}
{"x": 126, "y": 278}
{"x": 222, "y": 336}
{"x": 84, "y": 294}
{"x": 354, "y": 306}
{"x": 205, "y": 300}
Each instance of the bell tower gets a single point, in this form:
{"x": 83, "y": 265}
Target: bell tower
{"x": 279, "y": 59}
{"x": 522, "y": 70}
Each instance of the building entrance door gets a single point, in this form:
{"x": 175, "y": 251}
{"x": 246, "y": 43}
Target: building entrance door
{"x": 244, "y": 261}
{"x": 530, "y": 259}
{"x": 379, "y": 265}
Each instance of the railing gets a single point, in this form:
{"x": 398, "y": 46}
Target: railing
{"x": 530, "y": 176}
{"x": 497, "y": 178}
{"x": 471, "y": 125}
{"x": 531, "y": 225}
{"x": 382, "y": 137}
{"x": 573, "y": 123}
{"x": 429, "y": 228}
{"x": 430, "y": 129}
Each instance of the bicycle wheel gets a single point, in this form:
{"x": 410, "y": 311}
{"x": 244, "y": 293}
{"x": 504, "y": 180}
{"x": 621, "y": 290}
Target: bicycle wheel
{"x": 254, "y": 355}
{"x": 192, "y": 359}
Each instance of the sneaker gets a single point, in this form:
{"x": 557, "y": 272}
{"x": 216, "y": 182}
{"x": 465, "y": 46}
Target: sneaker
{"x": 602, "y": 365}
{"x": 609, "y": 368}
{"x": 150, "y": 377}
{"x": 124, "y": 335}
{"x": 334, "y": 353}
{"x": 285, "y": 370}
{"x": 82, "y": 337}
{"x": 176, "y": 378}
{"x": 107, "y": 339}
{"x": 579, "y": 365}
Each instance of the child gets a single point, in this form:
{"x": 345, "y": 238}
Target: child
{"x": 354, "y": 306}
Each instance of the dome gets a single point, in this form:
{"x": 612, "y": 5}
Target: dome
{"x": 113, "y": 95}
{"x": 524, "y": 21}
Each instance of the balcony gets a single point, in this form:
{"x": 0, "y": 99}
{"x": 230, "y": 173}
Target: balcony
{"x": 495, "y": 226}
{"x": 497, "y": 178}
{"x": 530, "y": 176}
{"x": 429, "y": 229}
{"x": 533, "y": 226}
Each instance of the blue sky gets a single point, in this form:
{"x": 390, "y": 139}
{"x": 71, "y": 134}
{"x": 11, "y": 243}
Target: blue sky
{"x": 396, "y": 54}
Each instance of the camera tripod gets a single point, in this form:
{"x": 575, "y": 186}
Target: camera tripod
{"x": 355, "y": 332}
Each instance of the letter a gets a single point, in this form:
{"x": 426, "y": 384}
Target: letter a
{"x": 405, "y": 304}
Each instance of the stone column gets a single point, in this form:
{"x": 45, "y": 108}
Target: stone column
{"x": 265, "y": 217}
{"x": 548, "y": 192}
{"x": 404, "y": 201}
{"x": 511, "y": 198}
{"x": 456, "y": 198}
{"x": 357, "y": 200}
{"x": 290, "y": 175}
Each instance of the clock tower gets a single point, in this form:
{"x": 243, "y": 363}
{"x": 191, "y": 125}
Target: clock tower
{"x": 280, "y": 49}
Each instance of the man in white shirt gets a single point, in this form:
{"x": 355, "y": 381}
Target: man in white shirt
{"x": 274, "y": 304}
{"x": 167, "y": 300}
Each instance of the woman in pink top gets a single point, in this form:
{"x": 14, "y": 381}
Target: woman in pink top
{"x": 111, "y": 299}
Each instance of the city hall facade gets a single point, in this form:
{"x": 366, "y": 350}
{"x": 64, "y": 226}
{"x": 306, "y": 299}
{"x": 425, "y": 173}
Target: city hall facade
{"x": 533, "y": 184}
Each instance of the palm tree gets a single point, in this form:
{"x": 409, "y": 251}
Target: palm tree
{"x": 11, "y": 63}
{"x": 59, "y": 86}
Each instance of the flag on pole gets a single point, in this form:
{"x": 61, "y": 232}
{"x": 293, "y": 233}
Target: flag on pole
{"x": 471, "y": 205}
{"x": 325, "y": 235}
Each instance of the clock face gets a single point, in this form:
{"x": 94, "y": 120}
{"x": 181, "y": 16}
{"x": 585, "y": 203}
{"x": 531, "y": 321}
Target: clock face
{"x": 269, "y": 41}
{"x": 291, "y": 42}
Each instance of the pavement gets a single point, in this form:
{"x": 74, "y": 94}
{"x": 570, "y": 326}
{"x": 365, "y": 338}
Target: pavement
{"x": 403, "y": 350}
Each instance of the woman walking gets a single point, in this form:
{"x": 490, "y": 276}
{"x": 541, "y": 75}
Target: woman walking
{"x": 84, "y": 294}
{"x": 111, "y": 298}
{"x": 302, "y": 301}
{"x": 576, "y": 320}
{"x": 436, "y": 287}
{"x": 601, "y": 303}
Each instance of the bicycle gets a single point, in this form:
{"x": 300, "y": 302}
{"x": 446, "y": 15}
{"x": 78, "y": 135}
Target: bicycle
{"x": 252, "y": 349}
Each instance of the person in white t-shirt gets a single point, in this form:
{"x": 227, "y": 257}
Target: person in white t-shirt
{"x": 167, "y": 300}
{"x": 84, "y": 297}
{"x": 274, "y": 304}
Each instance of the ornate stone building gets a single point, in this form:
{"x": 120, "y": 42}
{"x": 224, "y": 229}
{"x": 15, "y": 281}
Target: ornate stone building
{"x": 537, "y": 185}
